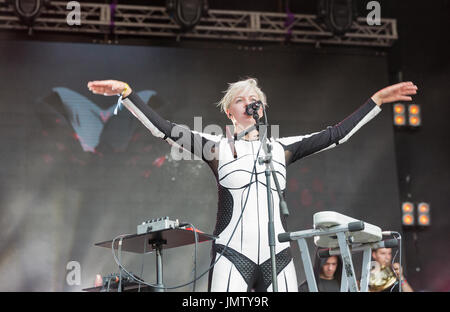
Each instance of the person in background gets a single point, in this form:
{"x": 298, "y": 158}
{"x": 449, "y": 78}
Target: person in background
{"x": 327, "y": 272}
{"x": 385, "y": 270}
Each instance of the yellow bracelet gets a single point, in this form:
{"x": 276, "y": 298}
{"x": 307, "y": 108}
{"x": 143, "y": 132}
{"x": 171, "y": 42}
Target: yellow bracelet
{"x": 126, "y": 88}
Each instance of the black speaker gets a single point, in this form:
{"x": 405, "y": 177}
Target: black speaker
{"x": 28, "y": 10}
{"x": 187, "y": 13}
{"x": 338, "y": 15}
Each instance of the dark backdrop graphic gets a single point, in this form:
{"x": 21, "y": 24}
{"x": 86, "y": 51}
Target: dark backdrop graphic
{"x": 421, "y": 56}
{"x": 73, "y": 174}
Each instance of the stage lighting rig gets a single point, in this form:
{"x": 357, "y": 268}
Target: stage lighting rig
{"x": 415, "y": 215}
{"x": 414, "y": 115}
{"x": 399, "y": 114}
{"x": 408, "y": 214}
{"x": 187, "y": 13}
{"x": 423, "y": 214}
{"x": 407, "y": 115}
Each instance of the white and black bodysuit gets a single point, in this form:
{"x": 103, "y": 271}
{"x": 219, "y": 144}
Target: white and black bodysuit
{"x": 245, "y": 264}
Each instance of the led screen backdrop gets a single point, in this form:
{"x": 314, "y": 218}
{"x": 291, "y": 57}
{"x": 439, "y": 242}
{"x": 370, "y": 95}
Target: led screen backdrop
{"x": 74, "y": 174}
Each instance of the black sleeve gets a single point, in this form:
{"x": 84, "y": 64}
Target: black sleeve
{"x": 298, "y": 147}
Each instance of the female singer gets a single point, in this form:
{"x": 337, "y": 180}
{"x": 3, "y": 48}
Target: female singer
{"x": 242, "y": 215}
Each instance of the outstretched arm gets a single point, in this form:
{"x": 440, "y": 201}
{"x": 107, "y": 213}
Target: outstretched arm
{"x": 297, "y": 147}
{"x": 397, "y": 92}
{"x": 158, "y": 126}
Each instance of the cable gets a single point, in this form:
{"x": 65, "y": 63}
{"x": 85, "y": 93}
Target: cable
{"x": 119, "y": 288}
{"x": 122, "y": 236}
{"x": 400, "y": 261}
{"x": 398, "y": 251}
{"x": 284, "y": 212}
{"x": 401, "y": 264}
{"x": 195, "y": 255}
{"x": 195, "y": 251}
{"x": 220, "y": 254}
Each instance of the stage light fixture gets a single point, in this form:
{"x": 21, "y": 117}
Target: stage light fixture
{"x": 399, "y": 114}
{"x": 28, "y": 10}
{"x": 400, "y": 120}
{"x": 407, "y": 214}
{"x": 399, "y": 109}
{"x": 423, "y": 214}
{"x": 414, "y": 109}
{"x": 408, "y": 207}
{"x": 338, "y": 15}
{"x": 187, "y": 13}
{"x": 408, "y": 220}
{"x": 414, "y": 115}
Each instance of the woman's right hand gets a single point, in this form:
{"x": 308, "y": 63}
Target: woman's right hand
{"x": 109, "y": 87}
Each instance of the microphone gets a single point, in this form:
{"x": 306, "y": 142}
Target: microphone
{"x": 252, "y": 108}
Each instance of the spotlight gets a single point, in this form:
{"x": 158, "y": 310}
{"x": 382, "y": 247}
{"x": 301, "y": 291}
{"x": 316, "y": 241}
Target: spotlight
{"x": 408, "y": 214}
{"x": 414, "y": 115}
{"x": 408, "y": 207}
{"x": 338, "y": 15}
{"x": 399, "y": 109}
{"x": 187, "y": 13}
{"x": 423, "y": 212}
{"x": 408, "y": 220}
{"x": 399, "y": 114}
{"x": 414, "y": 109}
{"x": 28, "y": 10}
{"x": 400, "y": 120}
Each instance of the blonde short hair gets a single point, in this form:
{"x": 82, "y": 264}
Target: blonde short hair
{"x": 237, "y": 87}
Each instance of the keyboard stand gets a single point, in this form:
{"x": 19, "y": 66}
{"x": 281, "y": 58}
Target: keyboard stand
{"x": 338, "y": 232}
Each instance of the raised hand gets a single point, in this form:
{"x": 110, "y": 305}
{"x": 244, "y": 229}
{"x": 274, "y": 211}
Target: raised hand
{"x": 109, "y": 87}
{"x": 394, "y": 93}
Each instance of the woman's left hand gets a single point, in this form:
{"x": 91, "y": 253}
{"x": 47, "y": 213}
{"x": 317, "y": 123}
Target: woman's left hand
{"x": 394, "y": 93}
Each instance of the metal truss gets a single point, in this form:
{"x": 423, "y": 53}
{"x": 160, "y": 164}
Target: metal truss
{"x": 138, "y": 20}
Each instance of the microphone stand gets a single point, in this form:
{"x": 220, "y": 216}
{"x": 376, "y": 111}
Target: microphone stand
{"x": 267, "y": 160}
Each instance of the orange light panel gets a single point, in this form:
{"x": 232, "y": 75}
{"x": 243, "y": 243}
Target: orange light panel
{"x": 414, "y": 109}
{"x": 424, "y": 220}
{"x": 399, "y": 120}
{"x": 414, "y": 120}
{"x": 407, "y": 207}
{"x": 399, "y": 108}
{"x": 408, "y": 219}
{"x": 424, "y": 208}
